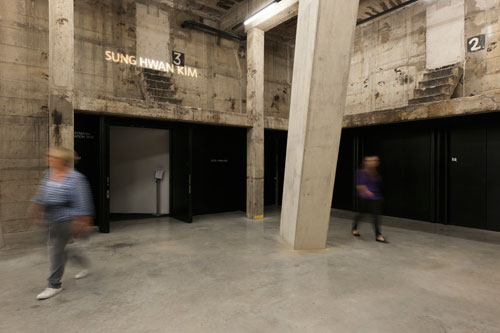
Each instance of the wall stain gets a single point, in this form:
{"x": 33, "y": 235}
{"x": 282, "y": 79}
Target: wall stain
{"x": 62, "y": 20}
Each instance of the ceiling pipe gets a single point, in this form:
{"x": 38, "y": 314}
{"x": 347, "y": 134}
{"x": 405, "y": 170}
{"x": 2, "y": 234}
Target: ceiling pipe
{"x": 201, "y": 26}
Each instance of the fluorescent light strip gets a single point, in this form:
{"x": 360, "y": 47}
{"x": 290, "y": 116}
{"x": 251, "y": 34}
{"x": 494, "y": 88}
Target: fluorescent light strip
{"x": 261, "y": 13}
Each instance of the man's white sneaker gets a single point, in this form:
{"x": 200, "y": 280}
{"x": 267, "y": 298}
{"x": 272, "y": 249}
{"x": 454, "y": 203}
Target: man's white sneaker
{"x": 82, "y": 274}
{"x": 48, "y": 293}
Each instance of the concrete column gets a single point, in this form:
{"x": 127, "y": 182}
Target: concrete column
{"x": 61, "y": 72}
{"x": 255, "y": 135}
{"x": 1, "y": 238}
{"x": 325, "y": 32}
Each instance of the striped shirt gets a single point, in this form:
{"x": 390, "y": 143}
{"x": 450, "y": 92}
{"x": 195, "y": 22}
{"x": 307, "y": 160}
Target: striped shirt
{"x": 64, "y": 199}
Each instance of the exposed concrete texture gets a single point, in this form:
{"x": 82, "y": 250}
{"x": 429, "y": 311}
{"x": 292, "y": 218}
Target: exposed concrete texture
{"x": 255, "y": 135}
{"x": 23, "y": 107}
{"x": 487, "y": 102}
{"x": 224, "y": 273}
{"x": 61, "y": 72}
{"x": 320, "y": 75}
{"x": 278, "y": 66}
{"x": 482, "y": 69}
{"x": 445, "y": 33}
{"x": 142, "y": 109}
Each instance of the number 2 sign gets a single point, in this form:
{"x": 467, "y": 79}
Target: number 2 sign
{"x": 177, "y": 58}
{"x": 476, "y": 43}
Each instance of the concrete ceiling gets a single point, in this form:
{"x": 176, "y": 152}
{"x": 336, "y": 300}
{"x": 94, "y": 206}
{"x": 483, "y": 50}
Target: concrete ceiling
{"x": 219, "y": 8}
{"x": 370, "y": 8}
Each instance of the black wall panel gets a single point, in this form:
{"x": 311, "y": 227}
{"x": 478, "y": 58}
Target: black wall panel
{"x": 343, "y": 192}
{"x": 467, "y": 174}
{"x": 219, "y": 169}
{"x": 405, "y": 152}
{"x": 493, "y": 175}
{"x": 274, "y": 166}
{"x": 87, "y": 147}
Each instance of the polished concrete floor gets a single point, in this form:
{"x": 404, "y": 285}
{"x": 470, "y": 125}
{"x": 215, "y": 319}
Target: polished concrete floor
{"x": 224, "y": 273}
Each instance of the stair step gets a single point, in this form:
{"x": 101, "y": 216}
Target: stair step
{"x": 441, "y": 73}
{"x": 168, "y": 100}
{"x": 159, "y": 84}
{"x": 429, "y": 99}
{"x": 156, "y": 76}
{"x": 446, "y": 89}
{"x": 450, "y": 79}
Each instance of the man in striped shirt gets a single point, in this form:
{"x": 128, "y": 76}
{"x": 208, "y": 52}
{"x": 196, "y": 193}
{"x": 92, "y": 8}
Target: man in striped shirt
{"x": 64, "y": 203}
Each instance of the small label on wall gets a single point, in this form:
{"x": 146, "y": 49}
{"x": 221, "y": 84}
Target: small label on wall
{"x": 476, "y": 43}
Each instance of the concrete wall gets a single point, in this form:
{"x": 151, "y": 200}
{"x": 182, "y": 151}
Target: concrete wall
{"x": 482, "y": 70}
{"x": 153, "y": 31}
{"x": 135, "y": 154}
{"x": 23, "y": 107}
{"x": 392, "y": 53}
{"x": 278, "y": 70}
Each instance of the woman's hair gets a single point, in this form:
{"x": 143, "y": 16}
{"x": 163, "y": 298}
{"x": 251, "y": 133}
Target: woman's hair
{"x": 65, "y": 154}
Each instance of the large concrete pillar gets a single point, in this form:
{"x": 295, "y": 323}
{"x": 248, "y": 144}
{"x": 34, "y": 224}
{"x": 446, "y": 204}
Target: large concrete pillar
{"x": 61, "y": 72}
{"x": 255, "y": 135}
{"x": 324, "y": 40}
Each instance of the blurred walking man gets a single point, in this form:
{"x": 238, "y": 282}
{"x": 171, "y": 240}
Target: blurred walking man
{"x": 368, "y": 183}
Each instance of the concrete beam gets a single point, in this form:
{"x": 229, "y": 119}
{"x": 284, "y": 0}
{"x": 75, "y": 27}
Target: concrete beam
{"x": 239, "y": 12}
{"x": 279, "y": 13}
{"x": 61, "y": 72}
{"x": 255, "y": 136}
{"x": 142, "y": 109}
{"x": 484, "y": 103}
{"x": 325, "y": 34}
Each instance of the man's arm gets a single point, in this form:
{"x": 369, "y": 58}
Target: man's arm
{"x": 364, "y": 191}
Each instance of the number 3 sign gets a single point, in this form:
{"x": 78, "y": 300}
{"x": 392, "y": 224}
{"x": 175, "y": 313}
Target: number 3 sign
{"x": 476, "y": 43}
{"x": 177, "y": 58}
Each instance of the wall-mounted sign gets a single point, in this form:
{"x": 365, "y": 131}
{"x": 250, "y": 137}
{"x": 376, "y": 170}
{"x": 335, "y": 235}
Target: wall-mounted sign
{"x": 476, "y": 43}
{"x": 178, "y": 58}
{"x": 152, "y": 63}
{"x": 83, "y": 135}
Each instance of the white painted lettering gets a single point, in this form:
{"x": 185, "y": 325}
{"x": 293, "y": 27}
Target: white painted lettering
{"x": 117, "y": 59}
{"x": 180, "y": 70}
{"x": 192, "y": 72}
{"x": 133, "y": 61}
{"x": 108, "y": 55}
{"x": 161, "y": 66}
{"x": 170, "y": 68}
{"x": 153, "y": 64}
{"x": 124, "y": 58}
{"x": 143, "y": 62}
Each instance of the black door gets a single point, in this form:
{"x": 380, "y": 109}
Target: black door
{"x": 406, "y": 167}
{"x": 493, "y": 175}
{"x": 274, "y": 166}
{"x": 467, "y": 175}
{"x": 181, "y": 173}
{"x": 219, "y": 169}
{"x": 90, "y": 145}
{"x": 343, "y": 193}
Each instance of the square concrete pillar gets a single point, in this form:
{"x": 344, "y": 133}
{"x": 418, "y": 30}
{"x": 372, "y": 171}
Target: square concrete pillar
{"x": 325, "y": 32}
{"x": 61, "y": 73}
{"x": 255, "y": 135}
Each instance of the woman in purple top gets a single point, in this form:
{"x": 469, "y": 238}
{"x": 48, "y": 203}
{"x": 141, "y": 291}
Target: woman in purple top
{"x": 370, "y": 197}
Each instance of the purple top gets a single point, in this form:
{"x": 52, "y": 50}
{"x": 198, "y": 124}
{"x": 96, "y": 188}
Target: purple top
{"x": 371, "y": 182}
